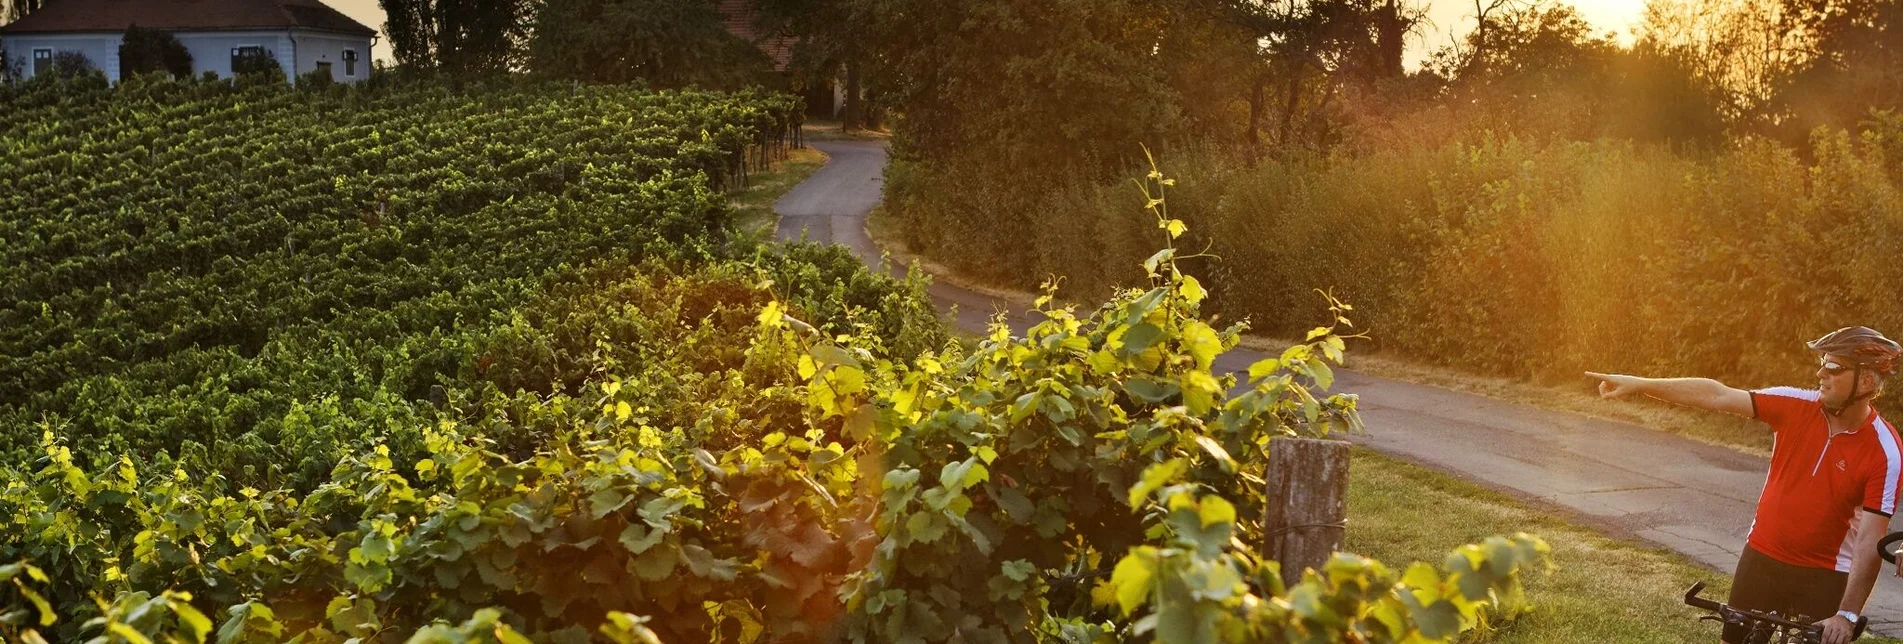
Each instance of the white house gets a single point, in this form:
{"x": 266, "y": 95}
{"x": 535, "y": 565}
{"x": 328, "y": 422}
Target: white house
{"x": 303, "y": 35}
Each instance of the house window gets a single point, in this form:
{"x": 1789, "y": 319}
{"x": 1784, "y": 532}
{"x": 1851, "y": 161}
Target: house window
{"x": 350, "y": 63}
{"x": 242, "y": 58}
{"x": 42, "y": 61}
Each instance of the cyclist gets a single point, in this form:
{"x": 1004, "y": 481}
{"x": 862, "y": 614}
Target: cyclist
{"x": 1809, "y": 551}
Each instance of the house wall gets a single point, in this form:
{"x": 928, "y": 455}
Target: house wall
{"x": 100, "y": 48}
{"x": 297, "y": 51}
{"x": 318, "y": 47}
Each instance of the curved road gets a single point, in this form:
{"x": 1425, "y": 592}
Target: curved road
{"x": 1695, "y": 498}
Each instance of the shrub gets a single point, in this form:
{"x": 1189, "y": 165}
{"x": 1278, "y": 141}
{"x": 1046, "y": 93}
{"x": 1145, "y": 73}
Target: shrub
{"x": 256, "y": 61}
{"x": 69, "y": 65}
{"x": 1503, "y": 256}
{"x": 146, "y": 51}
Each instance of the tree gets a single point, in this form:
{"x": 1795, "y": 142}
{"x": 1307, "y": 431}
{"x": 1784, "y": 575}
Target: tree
{"x": 480, "y": 37}
{"x": 1211, "y": 66}
{"x": 460, "y": 38}
{"x": 1047, "y": 84}
{"x": 145, "y": 51}
{"x": 1788, "y": 66}
{"x": 668, "y": 43}
{"x": 1313, "y": 52}
{"x": 832, "y": 36}
{"x": 1741, "y": 47}
{"x": 411, "y": 25}
{"x": 1852, "y": 65}
{"x": 72, "y": 64}
{"x": 250, "y": 62}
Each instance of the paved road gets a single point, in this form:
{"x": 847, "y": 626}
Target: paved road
{"x": 1694, "y": 498}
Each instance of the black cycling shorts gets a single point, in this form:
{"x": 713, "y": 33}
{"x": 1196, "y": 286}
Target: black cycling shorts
{"x": 1764, "y": 584}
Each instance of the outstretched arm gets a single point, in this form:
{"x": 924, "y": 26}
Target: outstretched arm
{"x": 1703, "y": 393}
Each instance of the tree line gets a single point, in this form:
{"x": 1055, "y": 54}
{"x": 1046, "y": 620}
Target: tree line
{"x": 665, "y": 43}
{"x": 1091, "y": 78}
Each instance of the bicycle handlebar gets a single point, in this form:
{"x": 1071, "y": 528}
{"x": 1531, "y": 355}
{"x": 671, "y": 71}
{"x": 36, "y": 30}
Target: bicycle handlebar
{"x": 1731, "y": 615}
{"x": 1883, "y": 547}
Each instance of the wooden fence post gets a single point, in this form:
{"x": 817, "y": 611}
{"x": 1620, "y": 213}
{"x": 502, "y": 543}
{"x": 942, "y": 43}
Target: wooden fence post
{"x": 1308, "y": 503}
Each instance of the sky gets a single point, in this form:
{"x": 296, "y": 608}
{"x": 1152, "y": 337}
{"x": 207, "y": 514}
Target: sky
{"x": 371, "y": 15}
{"x": 1447, "y": 19}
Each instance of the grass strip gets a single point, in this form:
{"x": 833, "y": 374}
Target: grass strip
{"x": 1601, "y": 589}
{"x": 753, "y": 205}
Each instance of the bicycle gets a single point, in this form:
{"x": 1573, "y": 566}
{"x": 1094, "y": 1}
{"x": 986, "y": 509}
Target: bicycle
{"x": 1767, "y": 628}
{"x": 1772, "y": 628}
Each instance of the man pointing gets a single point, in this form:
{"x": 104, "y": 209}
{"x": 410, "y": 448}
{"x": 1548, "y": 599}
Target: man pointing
{"x": 1833, "y": 484}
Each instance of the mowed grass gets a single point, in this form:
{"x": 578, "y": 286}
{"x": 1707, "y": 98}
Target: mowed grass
{"x": 1600, "y": 589}
{"x": 753, "y": 205}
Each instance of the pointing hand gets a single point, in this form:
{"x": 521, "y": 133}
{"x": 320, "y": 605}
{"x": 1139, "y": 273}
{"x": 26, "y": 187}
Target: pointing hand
{"x": 1612, "y": 385}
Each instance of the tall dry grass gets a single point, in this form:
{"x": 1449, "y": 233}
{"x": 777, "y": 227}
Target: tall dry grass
{"x": 1503, "y": 256}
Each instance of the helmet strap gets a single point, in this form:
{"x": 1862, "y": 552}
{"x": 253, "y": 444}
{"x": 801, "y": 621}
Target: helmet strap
{"x": 1856, "y": 385}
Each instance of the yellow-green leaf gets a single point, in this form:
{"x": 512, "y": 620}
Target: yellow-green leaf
{"x": 128, "y": 633}
{"x": 1202, "y": 343}
{"x": 46, "y": 610}
{"x": 1192, "y": 290}
{"x": 1133, "y": 578}
{"x": 1215, "y": 509}
{"x": 508, "y": 635}
{"x": 195, "y": 623}
{"x": 1154, "y": 476}
{"x": 1216, "y": 451}
{"x": 770, "y": 315}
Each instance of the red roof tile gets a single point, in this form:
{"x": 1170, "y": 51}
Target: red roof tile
{"x": 185, "y": 15}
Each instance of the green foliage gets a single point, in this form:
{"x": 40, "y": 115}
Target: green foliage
{"x": 1528, "y": 258}
{"x": 257, "y": 65}
{"x": 250, "y": 295}
{"x": 666, "y": 43}
{"x": 1112, "y": 434}
{"x": 1012, "y": 108}
{"x": 605, "y": 512}
{"x": 69, "y": 66}
{"x": 1541, "y": 71}
{"x": 461, "y": 39}
{"x": 138, "y": 618}
{"x": 27, "y": 611}
{"x": 1852, "y": 65}
{"x": 731, "y": 451}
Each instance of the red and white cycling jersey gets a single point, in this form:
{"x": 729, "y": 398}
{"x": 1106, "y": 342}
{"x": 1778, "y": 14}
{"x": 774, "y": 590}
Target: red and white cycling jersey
{"x": 1808, "y": 512}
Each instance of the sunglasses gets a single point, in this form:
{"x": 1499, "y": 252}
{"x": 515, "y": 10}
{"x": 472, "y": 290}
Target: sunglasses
{"x": 1832, "y": 367}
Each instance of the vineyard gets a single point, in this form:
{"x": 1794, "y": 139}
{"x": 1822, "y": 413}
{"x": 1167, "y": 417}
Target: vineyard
{"x": 184, "y": 261}
{"x": 414, "y": 363}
